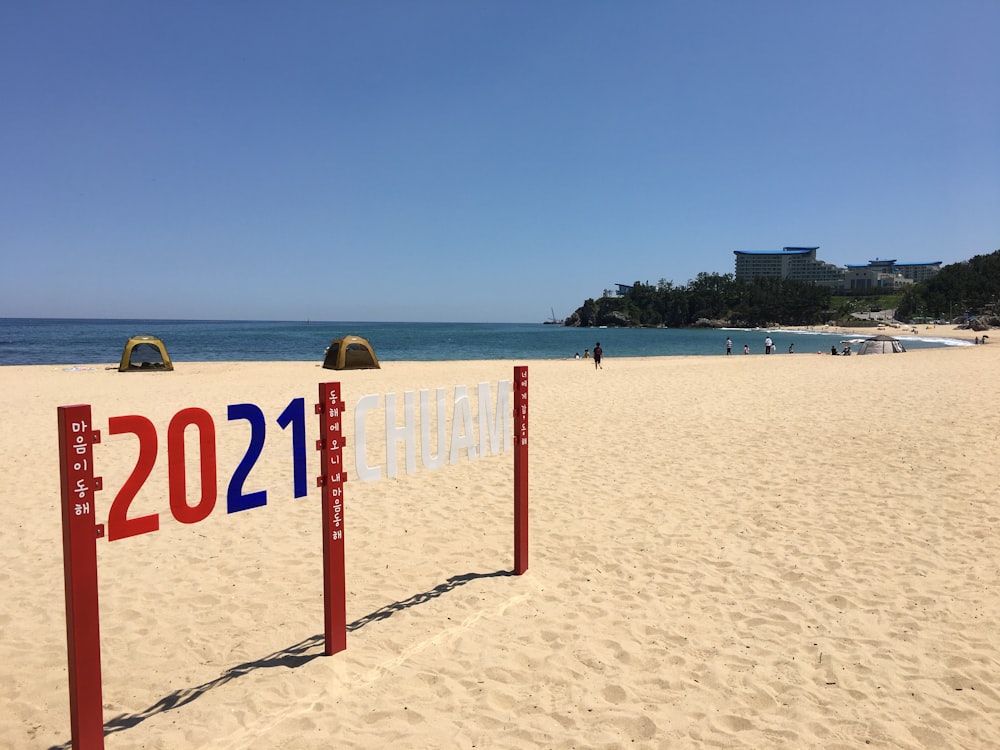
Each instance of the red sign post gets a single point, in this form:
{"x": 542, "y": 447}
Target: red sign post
{"x": 80, "y": 533}
{"x": 333, "y": 476}
{"x": 520, "y": 470}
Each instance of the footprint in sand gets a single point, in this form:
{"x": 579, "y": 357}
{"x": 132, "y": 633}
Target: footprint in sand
{"x": 615, "y": 694}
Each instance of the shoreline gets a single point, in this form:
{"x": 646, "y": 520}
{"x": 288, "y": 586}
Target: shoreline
{"x": 900, "y": 331}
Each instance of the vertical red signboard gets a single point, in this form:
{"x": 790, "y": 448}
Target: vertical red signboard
{"x": 331, "y": 446}
{"x": 520, "y": 470}
{"x": 80, "y": 533}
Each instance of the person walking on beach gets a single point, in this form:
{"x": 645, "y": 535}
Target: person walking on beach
{"x": 598, "y": 353}
{"x": 746, "y": 348}
{"x": 729, "y": 346}
{"x": 768, "y": 345}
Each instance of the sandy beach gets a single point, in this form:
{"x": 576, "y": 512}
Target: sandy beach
{"x": 726, "y": 552}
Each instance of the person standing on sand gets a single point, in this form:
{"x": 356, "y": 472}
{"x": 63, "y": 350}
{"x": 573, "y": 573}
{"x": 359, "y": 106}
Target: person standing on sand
{"x": 729, "y": 346}
{"x": 746, "y": 348}
{"x": 767, "y": 345}
{"x": 598, "y": 353}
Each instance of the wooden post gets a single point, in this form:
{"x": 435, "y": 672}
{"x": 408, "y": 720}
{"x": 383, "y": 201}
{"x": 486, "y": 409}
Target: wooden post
{"x": 520, "y": 470}
{"x": 80, "y": 533}
{"x": 333, "y": 476}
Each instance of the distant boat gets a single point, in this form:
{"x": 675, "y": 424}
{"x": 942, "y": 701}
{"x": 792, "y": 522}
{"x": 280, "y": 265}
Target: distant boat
{"x": 553, "y": 321}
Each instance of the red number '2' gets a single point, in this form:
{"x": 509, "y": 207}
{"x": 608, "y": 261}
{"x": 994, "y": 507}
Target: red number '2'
{"x": 120, "y": 525}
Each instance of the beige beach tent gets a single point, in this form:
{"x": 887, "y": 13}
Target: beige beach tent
{"x": 350, "y": 353}
{"x": 881, "y": 345}
{"x": 145, "y": 354}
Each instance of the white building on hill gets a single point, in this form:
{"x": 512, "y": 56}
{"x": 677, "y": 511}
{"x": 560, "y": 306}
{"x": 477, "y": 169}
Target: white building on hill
{"x": 801, "y": 264}
{"x": 797, "y": 263}
{"x": 888, "y": 274}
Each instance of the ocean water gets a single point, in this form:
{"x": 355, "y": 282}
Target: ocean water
{"x": 34, "y": 341}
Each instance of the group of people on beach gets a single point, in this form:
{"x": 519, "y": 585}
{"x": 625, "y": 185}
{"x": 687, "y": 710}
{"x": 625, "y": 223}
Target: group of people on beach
{"x": 769, "y": 347}
{"x": 598, "y": 355}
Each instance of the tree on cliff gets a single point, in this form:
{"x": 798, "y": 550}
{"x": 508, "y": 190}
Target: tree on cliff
{"x": 710, "y": 296}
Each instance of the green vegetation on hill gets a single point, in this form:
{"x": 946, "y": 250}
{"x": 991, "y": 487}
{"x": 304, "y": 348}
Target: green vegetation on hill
{"x": 710, "y": 298}
{"x": 970, "y": 287}
{"x": 864, "y": 303}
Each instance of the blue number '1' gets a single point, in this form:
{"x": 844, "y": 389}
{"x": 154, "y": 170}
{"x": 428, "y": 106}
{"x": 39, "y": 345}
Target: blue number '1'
{"x": 295, "y": 414}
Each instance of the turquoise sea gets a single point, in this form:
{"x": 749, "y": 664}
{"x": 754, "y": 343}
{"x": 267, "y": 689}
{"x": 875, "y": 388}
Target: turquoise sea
{"x": 34, "y": 341}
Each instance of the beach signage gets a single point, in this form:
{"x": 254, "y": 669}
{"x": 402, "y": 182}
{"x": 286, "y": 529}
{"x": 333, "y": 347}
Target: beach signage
{"x": 495, "y": 433}
{"x": 121, "y": 525}
{"x": 332, "y": 477}
{"x": 520, "y": 470}
{"x": 77, "y": 439}
{"x": 497, "y": 430}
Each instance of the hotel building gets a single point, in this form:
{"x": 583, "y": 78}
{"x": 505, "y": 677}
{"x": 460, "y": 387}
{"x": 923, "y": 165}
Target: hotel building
{"x": 801, "y": 264}
{"x": 797, "y": 263}
{"x": 888, "y": 274}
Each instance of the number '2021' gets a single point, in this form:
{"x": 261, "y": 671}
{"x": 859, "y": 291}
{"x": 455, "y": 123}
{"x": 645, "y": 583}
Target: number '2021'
{"x": 121, "y": 526}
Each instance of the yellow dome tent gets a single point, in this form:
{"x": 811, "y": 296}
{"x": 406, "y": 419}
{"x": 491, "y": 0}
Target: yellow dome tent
{"x": 350, "y": 353}
{"x": 145, "y": 354}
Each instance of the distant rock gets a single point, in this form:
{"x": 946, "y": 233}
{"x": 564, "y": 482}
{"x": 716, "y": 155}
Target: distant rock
{"x": 614, "y": 319}
{"x": 982, "y": 323}
{"x": 590, "y": 318}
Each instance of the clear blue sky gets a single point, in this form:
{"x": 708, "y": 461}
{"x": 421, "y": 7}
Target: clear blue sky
{"x": 476, "y": 161}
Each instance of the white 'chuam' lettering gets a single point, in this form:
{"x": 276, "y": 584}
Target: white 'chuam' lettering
{"x": 494, "y": 434}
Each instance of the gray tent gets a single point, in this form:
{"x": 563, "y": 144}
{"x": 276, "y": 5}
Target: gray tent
{"x": 881, "y": 345}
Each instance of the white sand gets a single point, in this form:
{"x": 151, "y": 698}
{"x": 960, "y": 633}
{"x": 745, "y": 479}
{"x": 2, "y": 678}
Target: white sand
{"x": 745, "y": 552}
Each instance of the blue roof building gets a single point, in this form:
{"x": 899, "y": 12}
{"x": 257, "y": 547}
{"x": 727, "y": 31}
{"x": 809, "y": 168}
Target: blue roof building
{"x": 801, "y": 264}
{"x": 888, "y": 274}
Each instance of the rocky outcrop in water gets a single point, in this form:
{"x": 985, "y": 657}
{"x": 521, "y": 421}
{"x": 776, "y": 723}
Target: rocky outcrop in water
{"x": 593, "y": 317}
{"x": 709, "y": 323}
